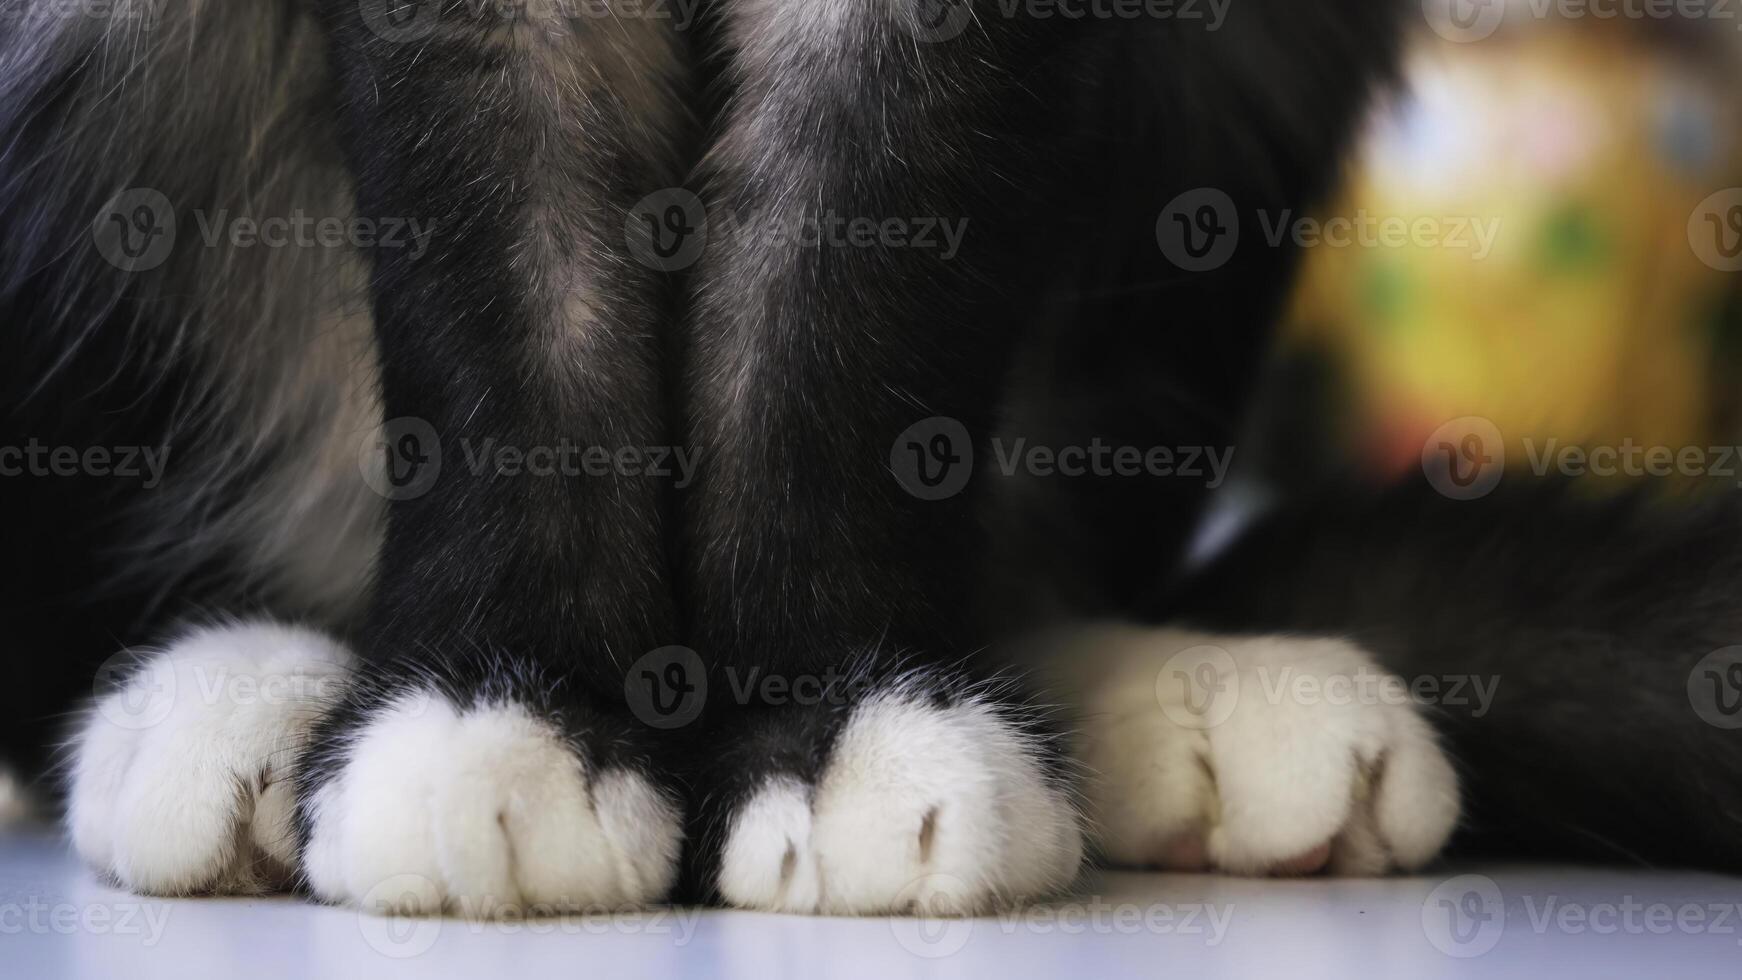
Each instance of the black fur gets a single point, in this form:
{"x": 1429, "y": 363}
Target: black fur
{"x": 524, "y": 324}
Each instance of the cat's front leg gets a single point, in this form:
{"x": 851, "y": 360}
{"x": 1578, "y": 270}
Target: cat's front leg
{"x": 877, "y": 174}
{"x": 484, "y": 761}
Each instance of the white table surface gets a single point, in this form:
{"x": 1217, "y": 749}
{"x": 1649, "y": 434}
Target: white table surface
{"x": 57, "y": 921}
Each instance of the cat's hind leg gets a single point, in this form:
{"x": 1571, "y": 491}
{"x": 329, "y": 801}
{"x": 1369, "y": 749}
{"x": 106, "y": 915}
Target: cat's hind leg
{"x": 215, "y": 391}
{"x": 1249, "y": 754}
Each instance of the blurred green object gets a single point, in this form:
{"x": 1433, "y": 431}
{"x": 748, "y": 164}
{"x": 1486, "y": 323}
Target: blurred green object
{"x": 1561, "y": 187}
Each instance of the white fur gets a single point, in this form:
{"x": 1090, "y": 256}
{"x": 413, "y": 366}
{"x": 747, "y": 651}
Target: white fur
{"x": 944, "y": 811}
{"x": 484, "y": 812}
{"x": 1261, "y": 777}
{"x": 180, "y": 780}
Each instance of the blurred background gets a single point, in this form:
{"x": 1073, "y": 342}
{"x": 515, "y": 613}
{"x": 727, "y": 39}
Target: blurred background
{"x": 1594, "y": 161}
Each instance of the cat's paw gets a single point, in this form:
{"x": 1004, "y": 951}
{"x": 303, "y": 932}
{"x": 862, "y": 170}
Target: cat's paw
{"x": 419, "y": 805}
{"x": 1252, "y": 755}
{"x": 179, "y": 778}
{"x": 928, "y": 803}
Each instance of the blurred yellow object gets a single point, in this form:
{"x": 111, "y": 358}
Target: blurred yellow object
{"x": 1592, "y": 319}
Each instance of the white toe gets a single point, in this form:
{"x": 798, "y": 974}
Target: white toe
{"x": 769, "y": 862}
{"x": 484, "y": 812}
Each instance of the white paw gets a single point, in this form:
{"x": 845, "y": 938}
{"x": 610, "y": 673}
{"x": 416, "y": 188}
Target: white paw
{"x": 483, "y": 812}
{"x": 180, "y": 778}
{"x": 1252, "y": 755}
{"x": 939, "y": 810}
